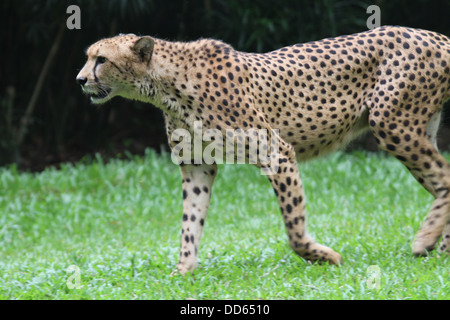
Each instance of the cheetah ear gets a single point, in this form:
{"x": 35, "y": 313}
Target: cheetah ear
{"x": 143, "y": 47}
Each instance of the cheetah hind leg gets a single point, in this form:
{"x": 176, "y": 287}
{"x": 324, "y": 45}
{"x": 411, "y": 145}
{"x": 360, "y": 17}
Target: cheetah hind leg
{"x": 419, "y": 154}
{"x": 445, "y": 243}
{"x": 437, "y": 182}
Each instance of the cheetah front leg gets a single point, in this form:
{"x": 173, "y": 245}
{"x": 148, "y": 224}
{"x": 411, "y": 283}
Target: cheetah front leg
{"x": 197, "y": 186}
{"x": 289, "y": 191}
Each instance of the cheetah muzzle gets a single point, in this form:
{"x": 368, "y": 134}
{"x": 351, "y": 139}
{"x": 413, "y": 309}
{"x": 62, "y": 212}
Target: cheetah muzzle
{"x": 317, "y": 96}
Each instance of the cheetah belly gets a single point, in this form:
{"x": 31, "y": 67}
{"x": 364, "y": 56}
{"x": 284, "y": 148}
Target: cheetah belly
{"x": 313, "y": 138}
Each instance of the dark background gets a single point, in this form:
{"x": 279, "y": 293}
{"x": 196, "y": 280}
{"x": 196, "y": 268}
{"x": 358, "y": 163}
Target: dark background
{"x": 44, "y": 118}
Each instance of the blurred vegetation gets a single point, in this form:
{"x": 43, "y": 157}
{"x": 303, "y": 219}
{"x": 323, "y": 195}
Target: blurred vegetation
{"x": 44, "y": 118}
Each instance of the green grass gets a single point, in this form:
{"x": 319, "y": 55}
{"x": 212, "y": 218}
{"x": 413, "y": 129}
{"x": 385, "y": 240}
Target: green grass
{"x": 120, "y": 222}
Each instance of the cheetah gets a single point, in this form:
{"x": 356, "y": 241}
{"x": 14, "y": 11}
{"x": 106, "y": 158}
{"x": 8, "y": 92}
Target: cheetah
{"x": 392, "y": 81}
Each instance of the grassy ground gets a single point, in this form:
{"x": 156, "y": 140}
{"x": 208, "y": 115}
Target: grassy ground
{"x": 112, "y": 231}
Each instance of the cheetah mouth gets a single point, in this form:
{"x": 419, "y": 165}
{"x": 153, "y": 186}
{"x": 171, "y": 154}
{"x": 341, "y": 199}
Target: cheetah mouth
{"x": 101, "y": 96}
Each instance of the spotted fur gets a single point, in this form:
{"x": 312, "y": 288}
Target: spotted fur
{"x": 392, "y": 81}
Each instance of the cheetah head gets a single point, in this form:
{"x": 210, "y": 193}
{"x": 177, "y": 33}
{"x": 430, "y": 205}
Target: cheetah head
{"x": 116, "y": 67}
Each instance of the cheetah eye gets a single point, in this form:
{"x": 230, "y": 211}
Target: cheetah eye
{"x": 101, "y": 59}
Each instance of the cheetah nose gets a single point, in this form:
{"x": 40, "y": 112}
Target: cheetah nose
{"x": 81, "y": 81}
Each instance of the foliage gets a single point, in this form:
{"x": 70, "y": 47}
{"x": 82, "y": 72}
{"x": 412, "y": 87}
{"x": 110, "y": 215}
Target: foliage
{"x": 119, "y": 223}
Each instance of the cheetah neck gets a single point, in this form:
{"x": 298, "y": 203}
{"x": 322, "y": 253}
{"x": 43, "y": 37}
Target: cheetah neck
{"x": 168, "y": 81}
